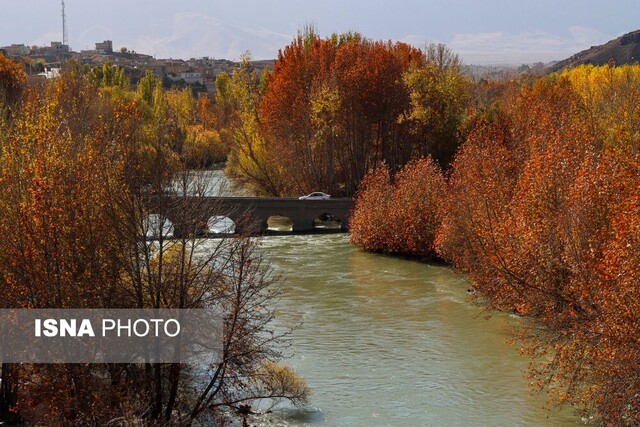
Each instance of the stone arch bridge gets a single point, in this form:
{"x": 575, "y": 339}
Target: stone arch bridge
{"x": 190, "y": 215}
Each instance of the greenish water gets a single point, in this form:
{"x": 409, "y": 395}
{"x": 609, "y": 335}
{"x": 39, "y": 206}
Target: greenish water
{"x": 384, "y": 341}
{"x": 391, "y": 342}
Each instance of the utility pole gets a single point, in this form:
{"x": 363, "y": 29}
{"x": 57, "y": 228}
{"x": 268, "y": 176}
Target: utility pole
{"x": 65, "y": 35}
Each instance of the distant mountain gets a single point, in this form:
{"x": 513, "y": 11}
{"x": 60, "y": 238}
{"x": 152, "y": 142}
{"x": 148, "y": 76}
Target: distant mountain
{"x": 623, "y": 50}
{"x": 193, "y": 35}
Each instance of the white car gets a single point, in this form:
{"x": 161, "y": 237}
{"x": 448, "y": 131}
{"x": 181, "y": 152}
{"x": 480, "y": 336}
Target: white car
{"x": 316, "y": 196}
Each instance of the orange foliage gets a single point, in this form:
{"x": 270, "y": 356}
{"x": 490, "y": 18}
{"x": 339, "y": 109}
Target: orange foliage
{"x": 79, "y": 163}
{"x": 546, "y": 222}
{"x": 545, "y": 219}
{"x": 400, "y": 217}
{"x": 12, "y": 78}
{"x": 331, "y": 111}
{"x": 369, "y": 224}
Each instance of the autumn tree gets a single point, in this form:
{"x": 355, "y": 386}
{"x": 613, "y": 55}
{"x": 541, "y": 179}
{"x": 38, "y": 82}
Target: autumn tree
{"x": 369, "y": 224}
{"x": 610, "y": 96}
{"x": 59, "y": 252}
{"x": 439, "y": 94}
{"x": 81, "y": 163}
{"x": 332, "y": 107}
{"x": 12, "y": 79}
{"x": 399, "y": 216}
{"x": 534, "y": 203}
{"x": 249, "y": 158}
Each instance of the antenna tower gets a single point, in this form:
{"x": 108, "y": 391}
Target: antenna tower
{"x": 65, "y": 35}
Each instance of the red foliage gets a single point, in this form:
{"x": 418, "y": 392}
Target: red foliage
{"x": 331, "y": 111}
{"x": 369, "y": 225}
{"x": 400, "y": 217}
{"x": 480, "y": 187}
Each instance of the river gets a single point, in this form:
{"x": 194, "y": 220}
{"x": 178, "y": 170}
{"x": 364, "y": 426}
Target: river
{"x": 384, "y": 341}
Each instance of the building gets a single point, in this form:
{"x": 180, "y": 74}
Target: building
{"x": 190, "y": 78}
{"x": 50, "y": 73}
{"x": 55, "y": 53}
{"x": 59, "y": 47}
{"x": 104, "y": 47}
{"x": 17, "y": 50}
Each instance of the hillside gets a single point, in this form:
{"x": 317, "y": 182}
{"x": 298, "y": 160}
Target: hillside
{"x": 623, "y": 50}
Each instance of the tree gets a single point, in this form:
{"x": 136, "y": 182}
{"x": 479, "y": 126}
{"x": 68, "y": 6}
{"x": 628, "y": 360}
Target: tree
{"x": 439, "y": 98}
{"x": 203, "y": 147}
{"x": 331, "y": 110}
{"x": 481, "y": 185}
{"x": 12, "y": 79}
{"x": 249, "y": 157}
{"x": 536, "y": 203}
{"x": 223, "y": 90}
{"x": 184, "y": 105}
{"x": 369, "y": 224}
{"x": 59, "y": 251}
{"x": 82, "y": 165}
{"x": 610, "y": 97}
{"x": 399, "y": 217}
{"x": 147, "y": 85}
{"x": 108, "y": 73}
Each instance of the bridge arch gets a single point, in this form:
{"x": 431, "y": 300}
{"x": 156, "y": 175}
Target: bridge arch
{"x": 221, "y": 224}
{"x": 327, "y": 221}
{"x": 155, "y": 225}
{"x": 279, "y": 222}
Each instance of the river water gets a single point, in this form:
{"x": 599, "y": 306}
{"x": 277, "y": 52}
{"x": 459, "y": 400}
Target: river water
{"x": 384, "y": 341}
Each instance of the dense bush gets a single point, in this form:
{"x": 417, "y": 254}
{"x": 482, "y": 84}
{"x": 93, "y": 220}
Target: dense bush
{"x": 335, "y": 107}
{"x": 399, "y": 216}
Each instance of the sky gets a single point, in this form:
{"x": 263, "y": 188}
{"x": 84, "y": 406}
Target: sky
{"x": 480, "y": 31}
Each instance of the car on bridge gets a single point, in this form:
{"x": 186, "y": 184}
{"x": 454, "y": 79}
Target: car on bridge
{"x": 317, "y": 195}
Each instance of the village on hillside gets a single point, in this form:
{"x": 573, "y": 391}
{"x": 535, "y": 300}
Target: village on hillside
{"x": 197, "y": 73}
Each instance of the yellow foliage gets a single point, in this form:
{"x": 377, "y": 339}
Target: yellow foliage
{"x": 203, "y": 147}
{"x": 183, "y": 104}
{"x": 611, "y": 99}
{"x": 280, "y": 381}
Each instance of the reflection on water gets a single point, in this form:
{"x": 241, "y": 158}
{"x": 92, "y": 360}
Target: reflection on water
{"x": 327, "y": 223}
{"x": 282, "y": 223}
{"x": 221, "y": 224}
{"x": 391, "y": 342}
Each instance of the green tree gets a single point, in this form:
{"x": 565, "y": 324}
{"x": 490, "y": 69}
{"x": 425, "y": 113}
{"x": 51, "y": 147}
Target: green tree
{"x": 440, "y": 93}
{"x": 120, "y": 79}
{"x": 223, "y": 90}
{"x": 147, "y": 86}
{"x": 108, "y": 73}
{"x": 249, "y": 157}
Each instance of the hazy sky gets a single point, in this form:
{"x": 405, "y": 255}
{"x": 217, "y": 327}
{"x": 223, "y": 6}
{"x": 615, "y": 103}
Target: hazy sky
{"x": 481, "y": 31}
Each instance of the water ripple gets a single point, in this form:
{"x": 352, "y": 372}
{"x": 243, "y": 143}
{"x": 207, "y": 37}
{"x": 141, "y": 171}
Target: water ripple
{"x": 391, "y": 342}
